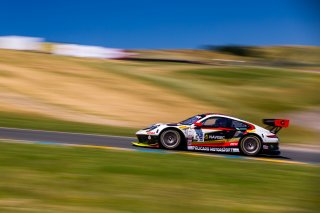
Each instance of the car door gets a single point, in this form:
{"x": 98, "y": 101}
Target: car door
{"x": 213, "y": 131}
{"x": 238, "y": 130}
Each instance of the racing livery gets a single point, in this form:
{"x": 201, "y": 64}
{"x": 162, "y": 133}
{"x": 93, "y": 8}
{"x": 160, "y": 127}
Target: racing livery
{"x": 214, "y": 132}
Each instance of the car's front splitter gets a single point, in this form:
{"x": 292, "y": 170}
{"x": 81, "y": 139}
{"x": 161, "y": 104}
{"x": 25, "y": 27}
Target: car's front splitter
{"x": 145, "y": 145}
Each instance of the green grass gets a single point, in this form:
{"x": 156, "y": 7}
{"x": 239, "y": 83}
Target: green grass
{"x": 41, "y": 178}
{"x": 294, "y": 54}
{"x": 32, "y": 121}
{"x": 298, "y": 135}
{"x": 260, "y": 88}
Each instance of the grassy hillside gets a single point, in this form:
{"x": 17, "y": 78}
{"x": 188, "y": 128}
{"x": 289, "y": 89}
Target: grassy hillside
{"x": 135, "y": 94}
{"x": 283, "y": 56}
{"x": 274, "y": 55}
{"x": 37, "y": 178}
{"x": 308, "y": 55}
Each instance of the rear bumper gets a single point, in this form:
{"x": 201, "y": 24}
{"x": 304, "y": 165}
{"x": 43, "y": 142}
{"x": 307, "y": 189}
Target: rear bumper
{"x": 271, "y": 149}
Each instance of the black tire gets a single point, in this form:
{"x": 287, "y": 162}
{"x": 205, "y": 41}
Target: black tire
{"x": 250, "y": 145}
{"x": 170, "y": 139}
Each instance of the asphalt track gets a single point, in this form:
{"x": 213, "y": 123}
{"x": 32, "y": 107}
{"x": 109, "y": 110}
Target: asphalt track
{"x": 50, "y": 137}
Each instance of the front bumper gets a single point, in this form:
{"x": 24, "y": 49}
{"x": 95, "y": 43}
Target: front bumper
{"x": 151, "y": 141}
{"x": 145, "y": 145}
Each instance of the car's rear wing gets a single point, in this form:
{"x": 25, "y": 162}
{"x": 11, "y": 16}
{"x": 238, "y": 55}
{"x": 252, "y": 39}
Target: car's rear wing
{"x": 275, "y": 125}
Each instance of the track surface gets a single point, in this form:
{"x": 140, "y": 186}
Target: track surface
{"x": 125, "y": 142}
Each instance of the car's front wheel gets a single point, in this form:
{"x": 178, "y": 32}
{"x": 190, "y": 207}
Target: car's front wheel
{"x": 170, "y": 139}
{"x": 250, "y": 145}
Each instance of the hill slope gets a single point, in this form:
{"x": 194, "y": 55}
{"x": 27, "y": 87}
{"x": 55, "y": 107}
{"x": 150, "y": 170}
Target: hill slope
{"x": 135, "y": 94}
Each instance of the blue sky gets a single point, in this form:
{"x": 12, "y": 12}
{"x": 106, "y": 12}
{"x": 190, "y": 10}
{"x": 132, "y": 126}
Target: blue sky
{"x": 164, "y": 23}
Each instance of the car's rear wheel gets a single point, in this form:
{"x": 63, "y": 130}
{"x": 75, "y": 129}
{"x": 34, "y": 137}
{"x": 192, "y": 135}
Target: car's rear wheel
{"x": 170, "y": 139}
{"x": 250, "y": 145}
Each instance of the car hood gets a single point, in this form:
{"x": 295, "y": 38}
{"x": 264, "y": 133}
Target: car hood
{"x": 165, "y": 124}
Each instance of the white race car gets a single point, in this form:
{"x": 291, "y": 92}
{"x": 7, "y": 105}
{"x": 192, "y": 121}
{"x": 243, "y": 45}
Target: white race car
{"x": 214, "y": 133}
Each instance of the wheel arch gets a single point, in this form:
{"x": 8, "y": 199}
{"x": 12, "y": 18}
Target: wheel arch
{"x": 183, "y": 136}
{"x": 254, "y": 134}
{"x": 250, "y": 134}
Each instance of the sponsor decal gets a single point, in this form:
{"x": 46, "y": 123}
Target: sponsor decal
{"x": 199, "y": 135}
{"x": 212, "y": 149}
{"x": 234, "y": 144}
{"x": 151, "y": 133}
{"x": 183, "y": 127}
{"x": 215, "y": 137}
{"x": 202, "y": 148}
{"x": 210, "y": 142}
{"x": 189, "y": 136}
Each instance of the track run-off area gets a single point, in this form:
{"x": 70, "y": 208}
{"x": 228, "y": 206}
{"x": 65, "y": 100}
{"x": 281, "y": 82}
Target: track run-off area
{"x": 288, "y": 155}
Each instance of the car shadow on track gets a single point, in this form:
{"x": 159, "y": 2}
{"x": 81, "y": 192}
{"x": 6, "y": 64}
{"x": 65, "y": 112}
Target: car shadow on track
{"x": 273, "y": 156}
{"x": 235, "y": 155}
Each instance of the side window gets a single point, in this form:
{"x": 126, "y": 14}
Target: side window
{"x": 210, "y": 122}
{"x": 217, "y": 122}
{"x": 239, "y": 124}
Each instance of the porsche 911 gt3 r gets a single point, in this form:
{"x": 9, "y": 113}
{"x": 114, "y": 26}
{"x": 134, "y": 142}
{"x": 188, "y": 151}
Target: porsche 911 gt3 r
{"x": 214, "y": 132}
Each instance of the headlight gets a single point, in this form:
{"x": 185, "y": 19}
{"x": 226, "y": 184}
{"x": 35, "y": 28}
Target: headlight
{"x": 153, "y": 127}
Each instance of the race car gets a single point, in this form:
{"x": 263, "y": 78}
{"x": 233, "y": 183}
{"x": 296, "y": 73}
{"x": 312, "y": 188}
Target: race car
{"x": 213, "y": 132}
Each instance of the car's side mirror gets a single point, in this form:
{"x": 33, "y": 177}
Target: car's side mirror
{"x": 198, "y": 124}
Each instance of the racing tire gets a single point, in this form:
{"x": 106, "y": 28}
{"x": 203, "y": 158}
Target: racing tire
{"x": 250, "y": 145}
{"x": 170, "y": 139}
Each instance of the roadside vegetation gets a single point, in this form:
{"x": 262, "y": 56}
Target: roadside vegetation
{"x": 47, "y": 178}
{"x": 31, "y": 121}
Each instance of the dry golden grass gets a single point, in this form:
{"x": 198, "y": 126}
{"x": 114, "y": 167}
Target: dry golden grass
{"x": 66, "y": 88}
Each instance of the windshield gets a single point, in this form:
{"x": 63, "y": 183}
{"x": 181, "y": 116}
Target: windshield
{"x": 191, "y": 120}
